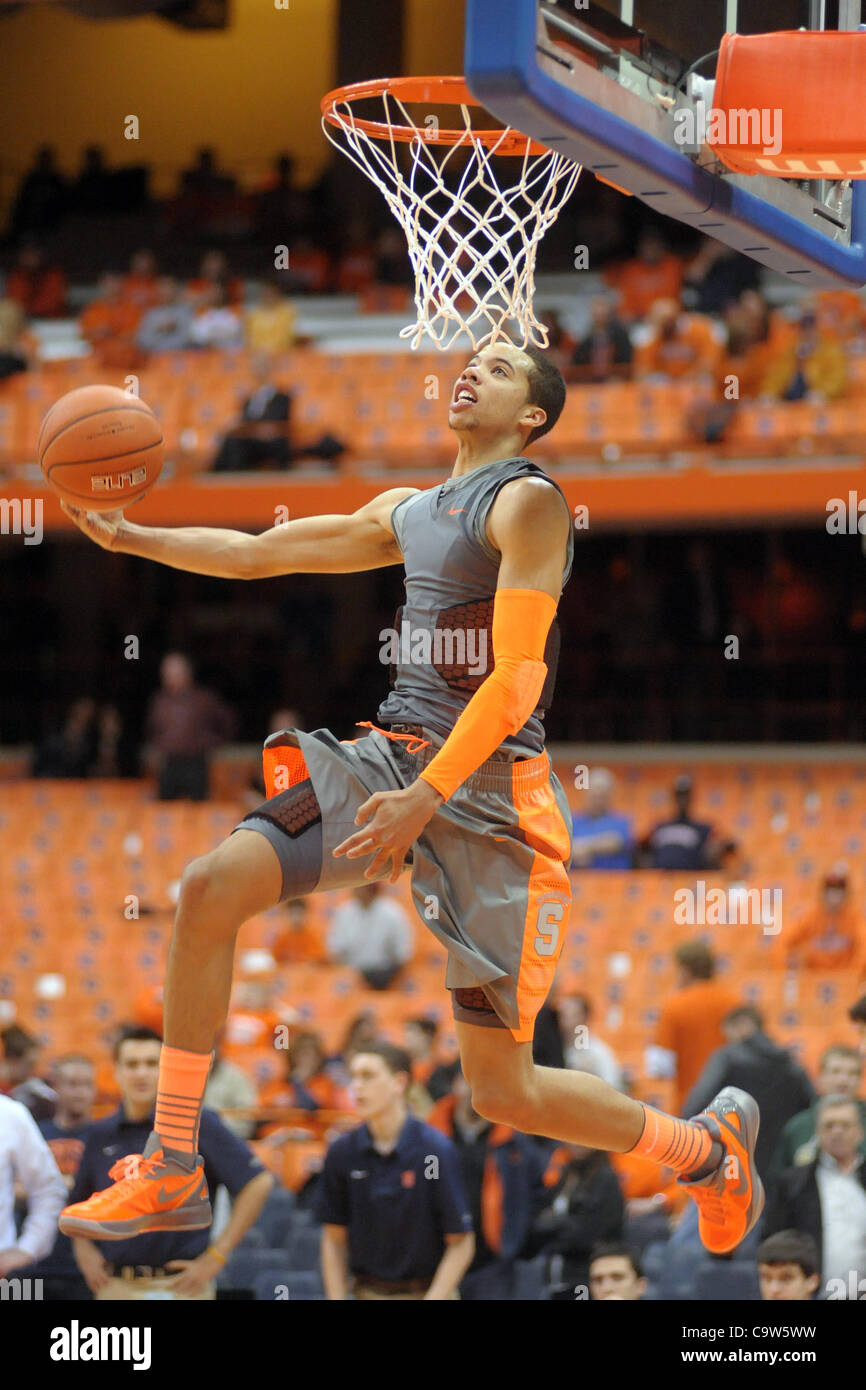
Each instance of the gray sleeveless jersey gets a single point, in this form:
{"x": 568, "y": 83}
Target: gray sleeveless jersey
{"x": 440, "y": 649}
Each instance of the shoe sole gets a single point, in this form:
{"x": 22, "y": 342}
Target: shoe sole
{"x": 732, "y": 1098}
{"x": 193, "y": 1217}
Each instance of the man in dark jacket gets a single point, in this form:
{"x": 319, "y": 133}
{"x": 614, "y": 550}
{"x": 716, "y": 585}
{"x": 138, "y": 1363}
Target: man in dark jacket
{"x": 763, "y": 1068}
{"x": 583, "y": 1206}
{"x": 826, "y": 1199}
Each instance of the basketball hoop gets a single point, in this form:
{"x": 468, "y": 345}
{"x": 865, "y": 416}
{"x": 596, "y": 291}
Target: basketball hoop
{"x": 472, "y": 237}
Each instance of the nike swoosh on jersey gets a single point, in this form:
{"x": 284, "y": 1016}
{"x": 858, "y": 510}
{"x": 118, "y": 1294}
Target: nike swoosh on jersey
{"x": 452, "y": 511}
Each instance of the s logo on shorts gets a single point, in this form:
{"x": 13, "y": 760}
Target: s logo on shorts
{"x": 550, "y": 915}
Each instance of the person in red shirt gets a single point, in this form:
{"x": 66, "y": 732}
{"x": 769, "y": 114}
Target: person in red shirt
{"x": 690, "y": 1022}
{"x": 830, "y": 937}
{"x": 39, "y": 288}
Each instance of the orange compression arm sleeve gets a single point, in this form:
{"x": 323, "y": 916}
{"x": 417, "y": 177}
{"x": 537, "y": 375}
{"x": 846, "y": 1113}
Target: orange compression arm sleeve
{"x": 506, "y": 699}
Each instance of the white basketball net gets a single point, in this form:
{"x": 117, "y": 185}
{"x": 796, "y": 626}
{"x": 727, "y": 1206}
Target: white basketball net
{"x": 474, "y": 270}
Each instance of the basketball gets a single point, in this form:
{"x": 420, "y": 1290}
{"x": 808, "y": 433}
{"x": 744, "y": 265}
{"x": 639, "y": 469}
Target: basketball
{"x": 100, "y": 448}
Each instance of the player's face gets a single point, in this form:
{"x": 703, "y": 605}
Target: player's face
{"x": 374, "y": 1087}
{"x": 612, "y": 1277}
{"x": 137, "y": 1071}
{"x": 840, "y": 1076}
{"x": 492, "y": 391}
{"x": 786, "y": 1283}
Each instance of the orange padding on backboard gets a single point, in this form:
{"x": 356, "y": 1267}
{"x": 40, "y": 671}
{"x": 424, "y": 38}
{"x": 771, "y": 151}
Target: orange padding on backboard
{"x": 807, "y": 89}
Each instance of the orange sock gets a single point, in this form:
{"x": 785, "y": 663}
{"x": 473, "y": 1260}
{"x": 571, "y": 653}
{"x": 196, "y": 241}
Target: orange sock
{"x": 182, "y": 1079}
{"x": 678, "y": 1144}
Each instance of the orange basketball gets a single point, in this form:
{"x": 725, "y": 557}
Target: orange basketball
{"x": 100, "y": 448}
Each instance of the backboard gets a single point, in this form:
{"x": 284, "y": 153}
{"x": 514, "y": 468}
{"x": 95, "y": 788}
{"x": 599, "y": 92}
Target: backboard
{"x": 586, "y": 80}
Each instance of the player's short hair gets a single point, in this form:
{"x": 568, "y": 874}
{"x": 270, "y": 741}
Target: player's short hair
{"x": 133, "y": 1033}
{"x": 72, "y": 1059}
{"x": 745, "y": 1011}
{"x": 18, "y": 1043}
{"x": 857, "y": 1012}
{"x": 546, "y": 388}
{"x": 396, "y": 1058}
{"x": 697, "y": 958}
{"x": 790, "y": 1248}
{"x": 616, "y": 1249}
{"x": 840, "y": 1050}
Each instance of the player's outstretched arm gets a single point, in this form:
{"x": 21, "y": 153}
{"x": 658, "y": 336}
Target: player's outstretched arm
{"x": 361, "y": 540}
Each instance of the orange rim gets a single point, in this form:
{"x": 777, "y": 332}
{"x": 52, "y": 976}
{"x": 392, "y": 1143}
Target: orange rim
{"x": 441, "y": 91}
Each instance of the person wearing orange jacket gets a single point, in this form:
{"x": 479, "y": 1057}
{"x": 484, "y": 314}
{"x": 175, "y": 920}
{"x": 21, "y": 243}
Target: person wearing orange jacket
{"x": 503, "y": 1176}
{"x": 830, "y": 937}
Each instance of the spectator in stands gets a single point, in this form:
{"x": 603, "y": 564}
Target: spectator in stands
{"x": 601, "y": 837}
{"x": 372, "y": 933}
{"x": 582, "y": 1205}
{"x": 690, "y": 1021}
{"x": 356, "y": 266}
{"x": 90, "y": 194}
{"x": 788, "y": 1268}
{"x": 605, "y": 352}
{"x": 269, "y": 326}
{"x": 140, "y": 285}
{"x": 361, "y": 1031}
{"x": 857, "y": 1015}
{"x": 230, "y": 1088}
{"x": 681, "y": 844}
{"x": 428, "y": 1069}
{"x": 309, "y": 269}
{"x": 185, "y": 723}
{"x": 26, "y": 1165}
{"x": 71, "y": 751}
{"x": 263, "y": 436}
{"x": 678, "y": 346}
{"x": 615, "y": 1274}
{"x": 18, "y": 346}
{"x": 582, "y": 1050}
{"x": 811, "y": 366}
{"x": 502, "y": 1174}
{"x": 214, "y": 275}
{"x": 832, "y": 936}
{"x": 169, "y": 1264}
{"x": 166, "y": 327}
{"x": 840, "y": 1074}
{"x": 39, "y": 288}
{"x": 390, "y": 291}
{"x": 826, "y": 1198}
{"x": 649, "y": 1192}
{"x": 18, "y": 1079}
{"x": 766, "y": 1070}
{"x": 652, "y": 274}
{"x": 717, "y": 276}
{"x": 308, "y": 1083}
{"x": 65, "y": 1133}
{"x": 42, "y": 197}
{"x": 109, "y": 323}
{"x": 299, "y": 942}
{"x": 217, "y": 324}
{"x": 283, "y": 208}
{"x": 390, "y": 1232}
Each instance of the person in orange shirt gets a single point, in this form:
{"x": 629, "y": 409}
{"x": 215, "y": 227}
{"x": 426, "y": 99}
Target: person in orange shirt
{"x": 299, "y": 943}
{"x": 679, "y": 346}
{"x": 654, "y": 273}
{"x": 830, "y": 937}
{"x": 40, "y": 289}
{"x": 214, "y": 274}
{"x": 690, "y": 1022}
{"x": 307, "y": 1085}
{"x": 109, "y": 323}
{"x": 141, "y": 284}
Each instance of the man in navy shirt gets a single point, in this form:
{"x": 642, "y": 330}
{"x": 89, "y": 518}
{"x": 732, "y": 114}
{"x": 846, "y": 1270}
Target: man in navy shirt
{"x": 681, "y": 842}
{"x": 165, "y": 1264}
{"x": 65, "y": 1133}
{"x": 391, "y": 1199}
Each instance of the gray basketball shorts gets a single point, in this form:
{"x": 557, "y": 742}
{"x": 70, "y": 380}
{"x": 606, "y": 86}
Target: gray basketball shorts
{"x": 489, "y": 872}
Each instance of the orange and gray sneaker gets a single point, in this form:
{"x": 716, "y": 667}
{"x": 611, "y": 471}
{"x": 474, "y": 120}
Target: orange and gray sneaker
{"x": 149, "y": 1194}
{"x": 730, "y": 1198}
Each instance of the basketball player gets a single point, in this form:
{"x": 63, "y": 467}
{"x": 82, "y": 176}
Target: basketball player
{"x": 458, "y": 785}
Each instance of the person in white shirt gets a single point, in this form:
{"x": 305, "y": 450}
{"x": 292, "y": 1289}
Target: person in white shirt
{"x": 371, "y": 932}
{"x": 26, "y": 1162}
{"x": 839, "y": 1175}
{"x": 582, "y": 1050}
